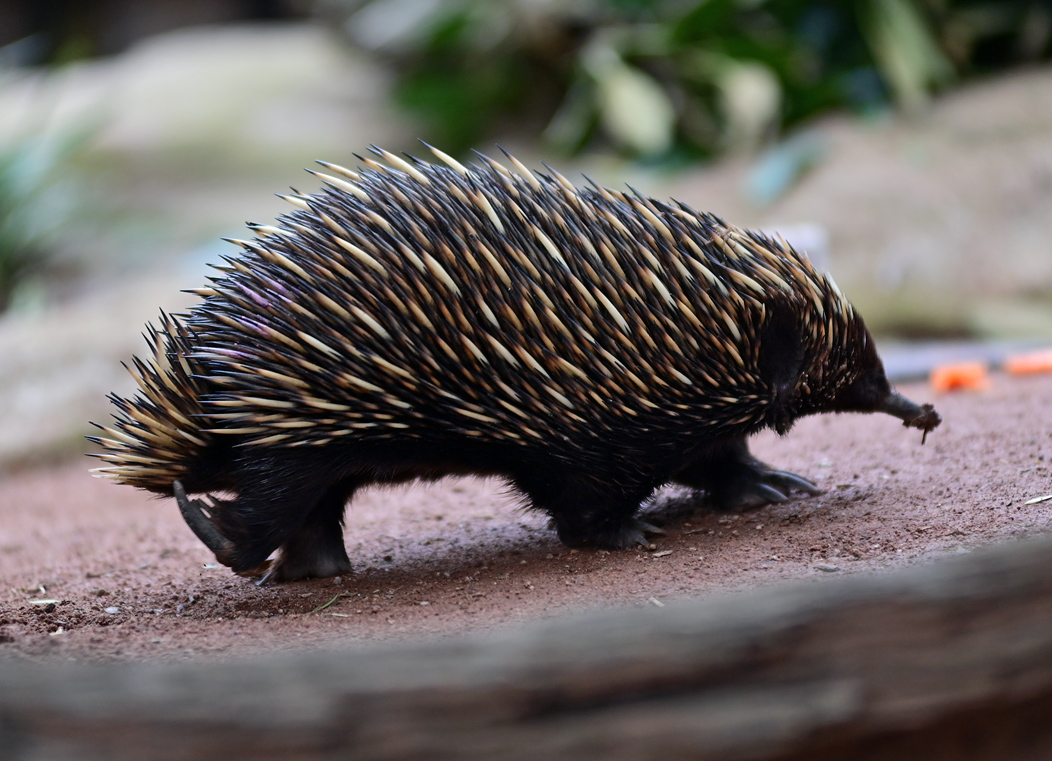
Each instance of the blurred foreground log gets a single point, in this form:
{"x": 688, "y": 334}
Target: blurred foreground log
{"x": 952, "y": 661}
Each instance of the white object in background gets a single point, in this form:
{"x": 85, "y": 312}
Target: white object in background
{"x": 807, "y": 238}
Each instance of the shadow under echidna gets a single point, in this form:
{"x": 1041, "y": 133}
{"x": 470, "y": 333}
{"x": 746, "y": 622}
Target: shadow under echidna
{"x": 412, "y": 321}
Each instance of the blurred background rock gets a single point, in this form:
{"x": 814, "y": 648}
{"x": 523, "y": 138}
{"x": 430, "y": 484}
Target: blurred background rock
{"x": 906, "y": 144}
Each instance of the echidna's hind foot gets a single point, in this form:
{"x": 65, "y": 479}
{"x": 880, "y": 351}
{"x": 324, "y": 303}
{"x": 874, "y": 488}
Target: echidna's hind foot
{"x": 198, "y": 515}
{"x": 315, "y": 550}
{"x": 628, "y": 534}
{"x": 735, "y": 480}
{"x": 309, "y": 554}
{"x": 590, "y": 514}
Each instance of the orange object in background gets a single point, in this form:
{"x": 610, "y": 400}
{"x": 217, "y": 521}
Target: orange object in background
{"x": 965, "y": 376}
{"x": 1032, "y": 362}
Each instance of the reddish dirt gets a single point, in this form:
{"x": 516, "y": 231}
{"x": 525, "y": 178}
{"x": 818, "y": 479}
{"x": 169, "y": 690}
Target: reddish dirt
{"x": 128, "y": 580}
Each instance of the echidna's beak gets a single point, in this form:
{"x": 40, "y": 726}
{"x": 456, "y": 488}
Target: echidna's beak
{"x": 913, "y": 415}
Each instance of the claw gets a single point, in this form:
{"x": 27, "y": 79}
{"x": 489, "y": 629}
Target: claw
{"x": 769, "y": 493}
{"x": 632, "y": 534}
{"x": 264, "y": 574}
{"x": 629, "y": 537}
{"x": 788, "y": 481}
{"x": 765, "y": 487}
{"x": 650, "y": 528}
{"x": 196, "y": 517}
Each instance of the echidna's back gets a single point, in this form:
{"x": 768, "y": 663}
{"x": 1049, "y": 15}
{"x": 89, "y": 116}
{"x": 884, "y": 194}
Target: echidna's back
{"x": 455, "y": 302}
{"x": 157, "y": 436}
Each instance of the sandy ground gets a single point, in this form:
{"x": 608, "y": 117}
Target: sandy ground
{"x": 93, "y": 571}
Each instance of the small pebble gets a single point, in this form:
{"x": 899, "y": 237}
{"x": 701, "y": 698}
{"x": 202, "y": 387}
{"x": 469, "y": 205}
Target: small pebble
{"x": 827, "y": 567}
{"x": 113, "y": 609}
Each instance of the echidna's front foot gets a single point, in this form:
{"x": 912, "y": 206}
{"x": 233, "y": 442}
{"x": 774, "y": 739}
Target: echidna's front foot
{"x": 735, "y": 480}
{"x": 759, "y": 486}
{"x": 198, "y": 516}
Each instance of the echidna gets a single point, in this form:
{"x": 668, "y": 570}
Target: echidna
{"x": 413, "y": 321}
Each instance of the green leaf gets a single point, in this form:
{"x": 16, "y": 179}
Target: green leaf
{"x": 633, "y": 107}
{"x": 906, "y": 51}
{"x": 750, "y": 100}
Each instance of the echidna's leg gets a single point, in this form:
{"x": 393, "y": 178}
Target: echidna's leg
{"x": 277, "y": 492}
{"x": 734, "y": 479}
{"x": 587, "y": 513}
{"x": 198, "y": 516}
{"x": 316, "y": 549}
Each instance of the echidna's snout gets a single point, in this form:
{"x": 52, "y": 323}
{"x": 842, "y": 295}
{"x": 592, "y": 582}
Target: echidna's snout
{"x": 899, "y": 406}
{"x": 871, "y": 392}
{"x": 912, "y": 415}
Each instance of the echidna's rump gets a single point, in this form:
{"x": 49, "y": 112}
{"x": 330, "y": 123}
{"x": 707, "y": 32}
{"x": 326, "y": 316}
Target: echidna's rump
{"x": 417, "y": 320}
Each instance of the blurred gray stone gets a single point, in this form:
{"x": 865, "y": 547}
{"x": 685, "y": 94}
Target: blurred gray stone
{"x": 238, "y": 92}
{"x": 937, "y": 225}
{"x": 195, "y": 130}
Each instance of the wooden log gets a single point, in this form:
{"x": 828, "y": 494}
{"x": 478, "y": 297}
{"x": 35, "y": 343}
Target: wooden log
{"x": 948, "y": 661}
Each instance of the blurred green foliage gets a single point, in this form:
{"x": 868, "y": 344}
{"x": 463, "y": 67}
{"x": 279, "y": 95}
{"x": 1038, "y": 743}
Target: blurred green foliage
{"x": 670, "y": 78}
{"x": 36, "y": 200}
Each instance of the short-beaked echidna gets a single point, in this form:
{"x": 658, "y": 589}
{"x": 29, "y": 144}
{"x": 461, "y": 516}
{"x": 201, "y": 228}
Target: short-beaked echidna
{"x": 415, "y": 320}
